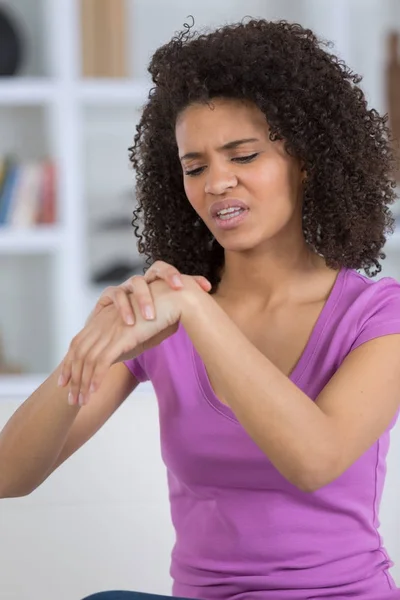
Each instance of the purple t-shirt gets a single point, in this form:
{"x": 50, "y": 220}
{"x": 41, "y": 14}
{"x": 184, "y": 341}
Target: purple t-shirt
{"x": 244, "y": 532}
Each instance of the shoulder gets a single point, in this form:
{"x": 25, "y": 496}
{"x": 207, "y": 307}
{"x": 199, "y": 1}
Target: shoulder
{"x": 361, "y": 285}
{"x": 373, "y": 306}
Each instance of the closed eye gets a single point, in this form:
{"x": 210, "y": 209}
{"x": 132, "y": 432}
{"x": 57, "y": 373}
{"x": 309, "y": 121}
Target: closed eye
{"x": 194, "y": 172}
{"x": 238, "y": 159}
{"x": 246, "y": 159}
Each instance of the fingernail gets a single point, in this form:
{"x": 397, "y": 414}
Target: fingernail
{"x": 129, "y": 320}
{"x": 70, "y": 399}
{"x": 61, "y": 381}
{"x": 176, "y": 280}
{"x": 80, "y": 400}
{"x": 92, "y": 388}
{"x": 149, "y": 313}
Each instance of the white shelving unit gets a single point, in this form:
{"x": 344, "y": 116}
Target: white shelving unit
{"x": 40, "y": 240}
{"x": 34, "y": 90}
{"x": 66, "y": 101}
{"x": 62, "y": 96}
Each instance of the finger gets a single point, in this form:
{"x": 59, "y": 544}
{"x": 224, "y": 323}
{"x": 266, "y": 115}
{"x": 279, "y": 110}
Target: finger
{"x": 165, "y": 271}
{"x": 64, "y": 374}
{"x": 122, "y": 341}
{"x": 203, "y": 282}
{"x": 76, "y": 373}
{"x": 140, "y": 288}
{"x": 102, "y": 350}
{"x": 105, "y": 299}
{"x": 93, "y": 348}
{"x": 70, "y": 357}
{"x": 122, "y": 303}
{"x": 90, "y": 364}
{"x": 116, "y": 295}
{"x": 77, "y": 353}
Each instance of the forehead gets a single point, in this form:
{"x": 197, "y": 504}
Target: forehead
{"x": 220, "y": 121}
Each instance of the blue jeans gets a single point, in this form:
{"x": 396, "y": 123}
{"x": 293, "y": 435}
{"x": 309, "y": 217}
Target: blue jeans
{"x": 122, "y": 595}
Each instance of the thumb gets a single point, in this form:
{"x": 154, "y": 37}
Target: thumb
{"x": 203, "y": 282}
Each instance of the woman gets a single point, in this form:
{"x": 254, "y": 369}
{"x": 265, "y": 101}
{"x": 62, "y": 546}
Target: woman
{"x": 260, "y": 167}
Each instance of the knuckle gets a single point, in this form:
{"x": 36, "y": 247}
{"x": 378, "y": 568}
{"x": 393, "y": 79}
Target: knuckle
{"x": 90, "y": 359}
{"x": 74, "y": 344}
{"x": 144, "y": 297}
{"x": 108, "y": 292}
{"x": 85, "y": 381}
{"x": 136, "y": 281}
{"x": 132, "y": 279}
{"x": 102, "y": 364}
{"x": 79, "y": 353}
{"x": 119, "y": 296}
{"x": 74, "y": 388}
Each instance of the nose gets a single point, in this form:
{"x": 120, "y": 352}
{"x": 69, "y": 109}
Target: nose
{"x": 219, "y": 180}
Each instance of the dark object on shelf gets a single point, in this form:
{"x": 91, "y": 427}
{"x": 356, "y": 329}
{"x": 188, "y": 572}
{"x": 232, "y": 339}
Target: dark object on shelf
{"x": 114, "y": 224}
{"x": 10, "y": 45}
{"x": 118, "y": 272}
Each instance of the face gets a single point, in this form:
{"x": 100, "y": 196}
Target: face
{"x": 245, "y": 188}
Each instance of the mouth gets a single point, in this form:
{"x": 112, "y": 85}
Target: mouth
{"x": 229, "y": 214}
{"x": 227, "y": 209}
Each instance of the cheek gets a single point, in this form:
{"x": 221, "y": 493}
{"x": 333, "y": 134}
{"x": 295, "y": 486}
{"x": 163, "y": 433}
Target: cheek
{"x": 276, "y": 178}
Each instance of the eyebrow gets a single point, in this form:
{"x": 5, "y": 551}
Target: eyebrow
{"x": 229, "y": 146}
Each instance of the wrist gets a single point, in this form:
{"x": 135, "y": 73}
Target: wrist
{"x": 193, "y": 301}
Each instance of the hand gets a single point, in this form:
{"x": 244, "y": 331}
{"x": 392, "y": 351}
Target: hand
{"x": 107, "y": 339}
{"x": 139, "y": 286}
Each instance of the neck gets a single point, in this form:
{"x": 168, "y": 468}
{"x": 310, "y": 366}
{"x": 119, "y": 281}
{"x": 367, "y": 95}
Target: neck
{"x": 268, "y": 277}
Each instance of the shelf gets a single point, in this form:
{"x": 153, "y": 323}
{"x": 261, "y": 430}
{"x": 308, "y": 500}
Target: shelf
{"x": 104, "y": 91}
{"x": 26, "y": 91}
{"x": 19, "y": 386}
{"x": 41, "y": 240}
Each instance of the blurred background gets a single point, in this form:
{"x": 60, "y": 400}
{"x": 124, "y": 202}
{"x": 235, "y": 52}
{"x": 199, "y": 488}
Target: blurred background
{"x": 73, "y": 78}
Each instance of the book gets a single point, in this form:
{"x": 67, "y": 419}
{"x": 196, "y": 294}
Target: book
{"x": 27, "y": 196}
{"x": 8, "y": 189}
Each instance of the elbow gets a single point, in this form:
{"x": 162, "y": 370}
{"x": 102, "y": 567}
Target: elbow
{"x": 309, "y": 486}
{"x": 7, "y": 492}
{"x": 312, "y": 478}
{"x": 4, "y": 494}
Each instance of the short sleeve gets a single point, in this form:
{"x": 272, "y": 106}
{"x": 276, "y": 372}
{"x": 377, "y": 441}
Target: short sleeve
{"x": 381, "y": 314}
{"x": 137, "y": 368}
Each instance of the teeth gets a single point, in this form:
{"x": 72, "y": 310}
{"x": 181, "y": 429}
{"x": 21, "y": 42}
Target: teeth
{"x": 227, "y": 211}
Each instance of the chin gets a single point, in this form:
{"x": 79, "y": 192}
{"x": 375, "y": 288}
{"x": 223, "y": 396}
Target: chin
{"x": 238, "y": 245}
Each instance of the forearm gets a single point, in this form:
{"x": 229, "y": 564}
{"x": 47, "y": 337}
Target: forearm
{"x": 283, "y": 421}
{"x": 34, "y": 436}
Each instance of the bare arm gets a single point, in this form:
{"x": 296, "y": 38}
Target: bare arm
{"x": 310, "y": 443}
{"x": 44, "y": 431}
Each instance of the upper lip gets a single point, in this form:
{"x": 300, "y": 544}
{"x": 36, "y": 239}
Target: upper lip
{"x": 228, "y": 203}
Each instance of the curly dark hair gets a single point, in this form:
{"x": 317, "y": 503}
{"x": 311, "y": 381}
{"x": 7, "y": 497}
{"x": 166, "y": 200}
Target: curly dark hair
{"x": 311, "y": 101}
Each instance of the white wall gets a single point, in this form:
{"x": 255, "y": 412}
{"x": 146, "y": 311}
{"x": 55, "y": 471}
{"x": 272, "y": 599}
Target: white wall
{"x": 102, "y": 520}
